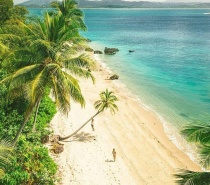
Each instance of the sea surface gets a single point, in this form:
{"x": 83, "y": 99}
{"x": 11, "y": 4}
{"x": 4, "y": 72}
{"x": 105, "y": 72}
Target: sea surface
{"x": 169, "y": 70}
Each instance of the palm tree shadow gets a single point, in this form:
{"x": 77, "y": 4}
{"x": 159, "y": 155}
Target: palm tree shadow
{"x": 82, "y": 137}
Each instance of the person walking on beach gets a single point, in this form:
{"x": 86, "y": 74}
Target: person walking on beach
{"x": 92, "y": 124}
{"x": 114, "y": 153}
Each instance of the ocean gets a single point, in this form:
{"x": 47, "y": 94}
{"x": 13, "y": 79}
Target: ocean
{"x": 169, "y": 70}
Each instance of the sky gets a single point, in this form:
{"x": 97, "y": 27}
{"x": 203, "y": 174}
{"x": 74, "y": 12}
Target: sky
{"x": 20, "y": 1}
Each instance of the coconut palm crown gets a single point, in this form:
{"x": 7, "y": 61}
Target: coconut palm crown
{"x": 42, "y": 66}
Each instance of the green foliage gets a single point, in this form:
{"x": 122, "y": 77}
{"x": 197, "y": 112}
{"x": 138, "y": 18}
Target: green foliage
{"x": 5, "y": 7}
{"x": 31, "y": 55}
{"x": 19, "y": 12}
{"x": 5, "y": 155}
{"x": 199, "y": 133}
{"x": 31, "y": 163}
{"x": 8, "y": 11}
{"x": 46, "y": 110}
{"x": 186, "y": 177}
{"x": 107, "y": 101}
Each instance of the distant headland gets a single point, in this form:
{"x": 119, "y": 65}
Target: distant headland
{"x": 119, "y": 4}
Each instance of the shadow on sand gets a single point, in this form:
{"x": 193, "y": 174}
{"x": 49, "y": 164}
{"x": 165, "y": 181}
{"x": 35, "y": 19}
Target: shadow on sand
{"x": 82, "y": 137}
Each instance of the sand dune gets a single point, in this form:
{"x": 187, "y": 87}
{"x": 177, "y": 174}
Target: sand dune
{"x": 145, "y": 156}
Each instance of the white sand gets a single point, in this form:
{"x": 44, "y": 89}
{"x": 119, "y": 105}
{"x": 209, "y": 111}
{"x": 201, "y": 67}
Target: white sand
{"x": 145, "y": 156}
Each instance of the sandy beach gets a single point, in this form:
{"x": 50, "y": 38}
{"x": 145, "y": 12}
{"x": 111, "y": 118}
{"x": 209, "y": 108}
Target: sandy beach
{"x": 145, "y": 155}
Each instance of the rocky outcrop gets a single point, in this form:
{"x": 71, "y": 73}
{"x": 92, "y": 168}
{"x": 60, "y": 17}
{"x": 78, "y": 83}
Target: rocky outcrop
{"x": 114, "y": 77}
{"x": 89, "y": 49}
{"x": 110, "y": 51}
{"x": 98, "y": 52}
{"x": 45, "y": 139}
{"x": 130, "y": 51}
{"x": 57, "y": 148}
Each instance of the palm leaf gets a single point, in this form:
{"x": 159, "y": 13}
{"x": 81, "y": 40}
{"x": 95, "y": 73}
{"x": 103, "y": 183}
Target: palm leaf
{"x": 65, "y": 86}
{"x": 186, "y": 177}
{"x": 205, "y": 156}
{"x": 197, "y": 132}
{"x": 107, "y": 101}
{"x": 6, "y": 151}
{"x": 21, "y": 76}
{"x": 80, "y": 61}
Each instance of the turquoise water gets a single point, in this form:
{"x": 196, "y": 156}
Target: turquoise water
{"x": 169, "y": 69}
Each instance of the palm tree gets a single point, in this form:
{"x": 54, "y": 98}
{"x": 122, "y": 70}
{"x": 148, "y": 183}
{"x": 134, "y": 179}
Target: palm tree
{"x": 5, "y": 155}
{"x": 72, "y": 15}
{"x": 199, "y": 133}
{"x": 107, "y": 101}
{"x": 48, "y": 69}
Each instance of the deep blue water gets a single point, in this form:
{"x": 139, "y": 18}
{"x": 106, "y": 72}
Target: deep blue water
{"x": 169, "y": 69}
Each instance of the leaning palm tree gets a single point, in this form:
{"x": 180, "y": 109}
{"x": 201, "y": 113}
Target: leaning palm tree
{"x": 48, "y": 69}
{"x": 107, "y": 101}
{"x": 5, "y": 155}
{"x": 198, "y": 133}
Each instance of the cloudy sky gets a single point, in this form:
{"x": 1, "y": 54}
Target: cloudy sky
{"x": 20, "y": 1}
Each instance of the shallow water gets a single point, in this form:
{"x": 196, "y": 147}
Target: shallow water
{"x": 169, "y": 68}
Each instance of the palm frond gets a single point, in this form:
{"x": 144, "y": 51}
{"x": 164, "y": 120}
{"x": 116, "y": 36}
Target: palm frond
{"x": 75, "y": 91}
{"x": 20, "y": 76}
{"x": 186, "y": 177}
{"x": 3, "y": 49}
{"x": 6, "y": 151}
{"x": 80, "y": 61}
{"x": 205, "y": 156}
{"x": 84, "y": 73}
{"x": 36, "y": 88}
{"x": 9, "y": 36}
{"x": 66, "y": 87}
{"x": 197, "y": 132}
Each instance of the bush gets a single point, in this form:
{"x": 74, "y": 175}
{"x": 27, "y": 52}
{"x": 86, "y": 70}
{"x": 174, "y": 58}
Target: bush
{"x": 31, "y": 164}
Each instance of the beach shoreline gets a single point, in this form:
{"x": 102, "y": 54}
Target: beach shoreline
{"x": 145, "y": 155}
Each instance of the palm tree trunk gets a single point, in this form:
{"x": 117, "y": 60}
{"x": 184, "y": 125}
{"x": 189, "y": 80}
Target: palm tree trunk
{"x": 20, "y": 130}
{"x": 75, "y": 132}
{"x": 35, "y": 116}
{"x": 28, "y": 114}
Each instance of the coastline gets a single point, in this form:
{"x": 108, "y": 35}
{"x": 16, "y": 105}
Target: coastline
{"x": 145, "y": 155}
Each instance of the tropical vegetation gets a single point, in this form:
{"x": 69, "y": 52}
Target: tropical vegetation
{"x": 38, "y": 58}
{"x": 5, "y": 155}
{"x": 199, "y": 133}
{"x": 44, "y": 64}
